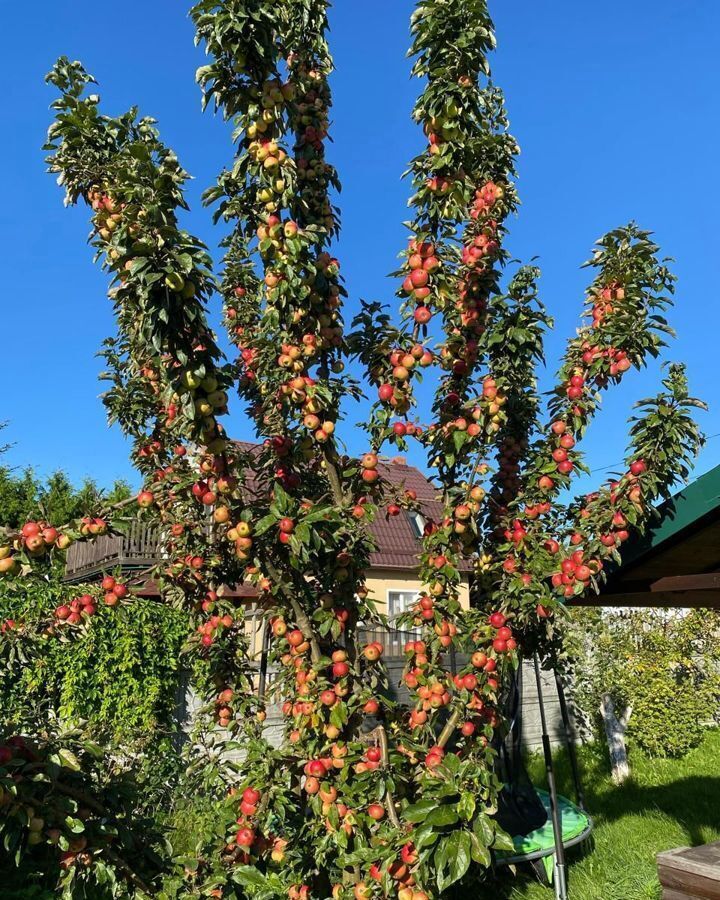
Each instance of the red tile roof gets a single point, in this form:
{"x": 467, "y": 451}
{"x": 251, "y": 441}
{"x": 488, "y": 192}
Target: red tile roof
{"x": 396, "y": 538}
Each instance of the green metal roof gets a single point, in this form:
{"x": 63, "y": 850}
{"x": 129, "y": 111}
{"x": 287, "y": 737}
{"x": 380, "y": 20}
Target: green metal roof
{"x": 681, "y": 511}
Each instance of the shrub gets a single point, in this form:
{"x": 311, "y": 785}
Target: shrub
{"x": 664, "y": 665}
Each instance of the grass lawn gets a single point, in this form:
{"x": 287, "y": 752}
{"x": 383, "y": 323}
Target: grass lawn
{"x": 668, "y": 803}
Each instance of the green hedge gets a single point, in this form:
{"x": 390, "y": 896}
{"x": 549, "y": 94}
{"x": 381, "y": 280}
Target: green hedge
{"x": 120, "y": 674}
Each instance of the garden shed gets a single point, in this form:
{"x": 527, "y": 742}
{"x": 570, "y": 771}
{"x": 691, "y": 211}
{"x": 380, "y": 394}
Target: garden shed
{"x": 677, "y": 562}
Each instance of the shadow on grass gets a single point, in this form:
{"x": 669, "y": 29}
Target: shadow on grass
{"x": 693, "y": 802}
{"x": 666, "y": 803}
{"x": 680, "y": 792}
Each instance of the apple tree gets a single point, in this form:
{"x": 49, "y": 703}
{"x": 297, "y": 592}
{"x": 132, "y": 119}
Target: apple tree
{"x": 363, "y": 797}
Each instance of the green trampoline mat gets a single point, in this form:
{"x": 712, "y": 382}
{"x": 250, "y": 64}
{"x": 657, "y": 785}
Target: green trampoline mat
{"x": 573, "y": 820}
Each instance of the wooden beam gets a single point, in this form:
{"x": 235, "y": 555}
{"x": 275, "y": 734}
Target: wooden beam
{"x": 707, "y": 582}
{"x": 676, "y": 599}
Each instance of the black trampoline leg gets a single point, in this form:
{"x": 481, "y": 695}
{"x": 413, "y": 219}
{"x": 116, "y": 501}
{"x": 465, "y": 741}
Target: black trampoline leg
{"x": 559, "y": 881}
{"x": 570, "y": 738}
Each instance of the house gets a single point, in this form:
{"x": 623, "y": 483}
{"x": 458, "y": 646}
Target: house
{"x": 392, "y": 578}
{"x": 676, "y": 562}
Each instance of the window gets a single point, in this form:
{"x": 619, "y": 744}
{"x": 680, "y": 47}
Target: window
{"x": 399, "y": 602}
{"x": 417, "y": 523}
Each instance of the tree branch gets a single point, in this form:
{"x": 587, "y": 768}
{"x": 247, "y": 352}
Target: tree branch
{"x": 450, "y": 726}
{"x": 301, "y": 617}
{"x": 385, "y": 756}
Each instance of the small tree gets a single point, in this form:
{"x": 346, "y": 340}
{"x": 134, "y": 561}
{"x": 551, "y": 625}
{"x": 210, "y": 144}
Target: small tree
{"x": 653, "y": 672}
{"x": 363, "y": 797}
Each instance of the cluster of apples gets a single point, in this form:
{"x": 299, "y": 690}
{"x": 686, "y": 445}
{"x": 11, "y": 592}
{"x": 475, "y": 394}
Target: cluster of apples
{"x": 239, "y": 533}
{"x": 301, "y": 392}
{"x": 434, "y": 694}
{"x": 535, "y": 510}
{"x": 574, "y": 570}
{"x": 223, "y": 707}
{"x": 507, "y": 480}
{"x": 150, "y": 450}
{"x": 209, "y": 631}
{"x": 294, "y": 356}
{"x": 108, "y": 213}
{"x": 274, "y": 94}
{"x": 486, "y": 198}
{"x": 487, "y": 414}
{"x": 273, "y": 234}
{"x": 247, "y": 360}
{"x": 564, "y": 443}
{"x": 36, "y": 539}
{"x": 245, "y": 835}
{"x": 311, "y": 112}
{"x": 271, "y": 158}
{"x": 311, "y": 696}
{"x": 369, "y": 468}
{"x": 471, "y": 302}
{"x": 616, "y": 531}
{"x": 72, "y": 613}
{"x": 482, "y": 247}
{"x": 298, "y": 892}
{"x": 417, "y": 285}
{"x": 402, "y": 363}
{"x": 189, "y": 566}
{"x": 245, "y": 838}
{"x": 615, "y": 361}
{"x": 459, "y": 354}
{"x": 604, "y": 300}
{"x": 503, "y": 641}
{"x": 400, "y": 870}
{"x": 213, "y": 485}
{"x": 209, "y": 398}
{"x": 114, "y": 590}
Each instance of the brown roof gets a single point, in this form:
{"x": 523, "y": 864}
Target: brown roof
{"x": 396, "y": 538}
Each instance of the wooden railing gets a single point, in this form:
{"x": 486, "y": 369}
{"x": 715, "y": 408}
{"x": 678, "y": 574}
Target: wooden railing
{"x": 137, "y": 548}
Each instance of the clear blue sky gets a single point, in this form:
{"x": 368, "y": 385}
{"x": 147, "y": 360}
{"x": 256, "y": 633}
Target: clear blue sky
{"x": 614, "y": 105}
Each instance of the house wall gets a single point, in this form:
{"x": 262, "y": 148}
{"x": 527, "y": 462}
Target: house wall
{"x": 380, "y": 581}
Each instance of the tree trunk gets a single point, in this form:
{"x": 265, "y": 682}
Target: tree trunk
{"x": 615, "y": 729}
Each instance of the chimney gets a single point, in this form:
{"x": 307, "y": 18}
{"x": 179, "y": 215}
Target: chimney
{"x": 399, "y": 460}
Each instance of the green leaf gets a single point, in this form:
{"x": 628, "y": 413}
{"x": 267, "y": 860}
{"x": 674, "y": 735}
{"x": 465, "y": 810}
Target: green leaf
{"x": 443, "y": 815}
{"x": 419, "y": 811}
{"x": 503, "y": 841}
{"x": 459, "y": 855}
{"x": 249, "y": 877}
{"x": 466, "y": 805}
{"x": 479, "y": 851}
{"x": 75, "y": 825}
{"x": 69, "y": 760}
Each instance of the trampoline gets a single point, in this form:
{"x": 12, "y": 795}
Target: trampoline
{"x": 538, "y": 848}
{"x": 575, "y": 825}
